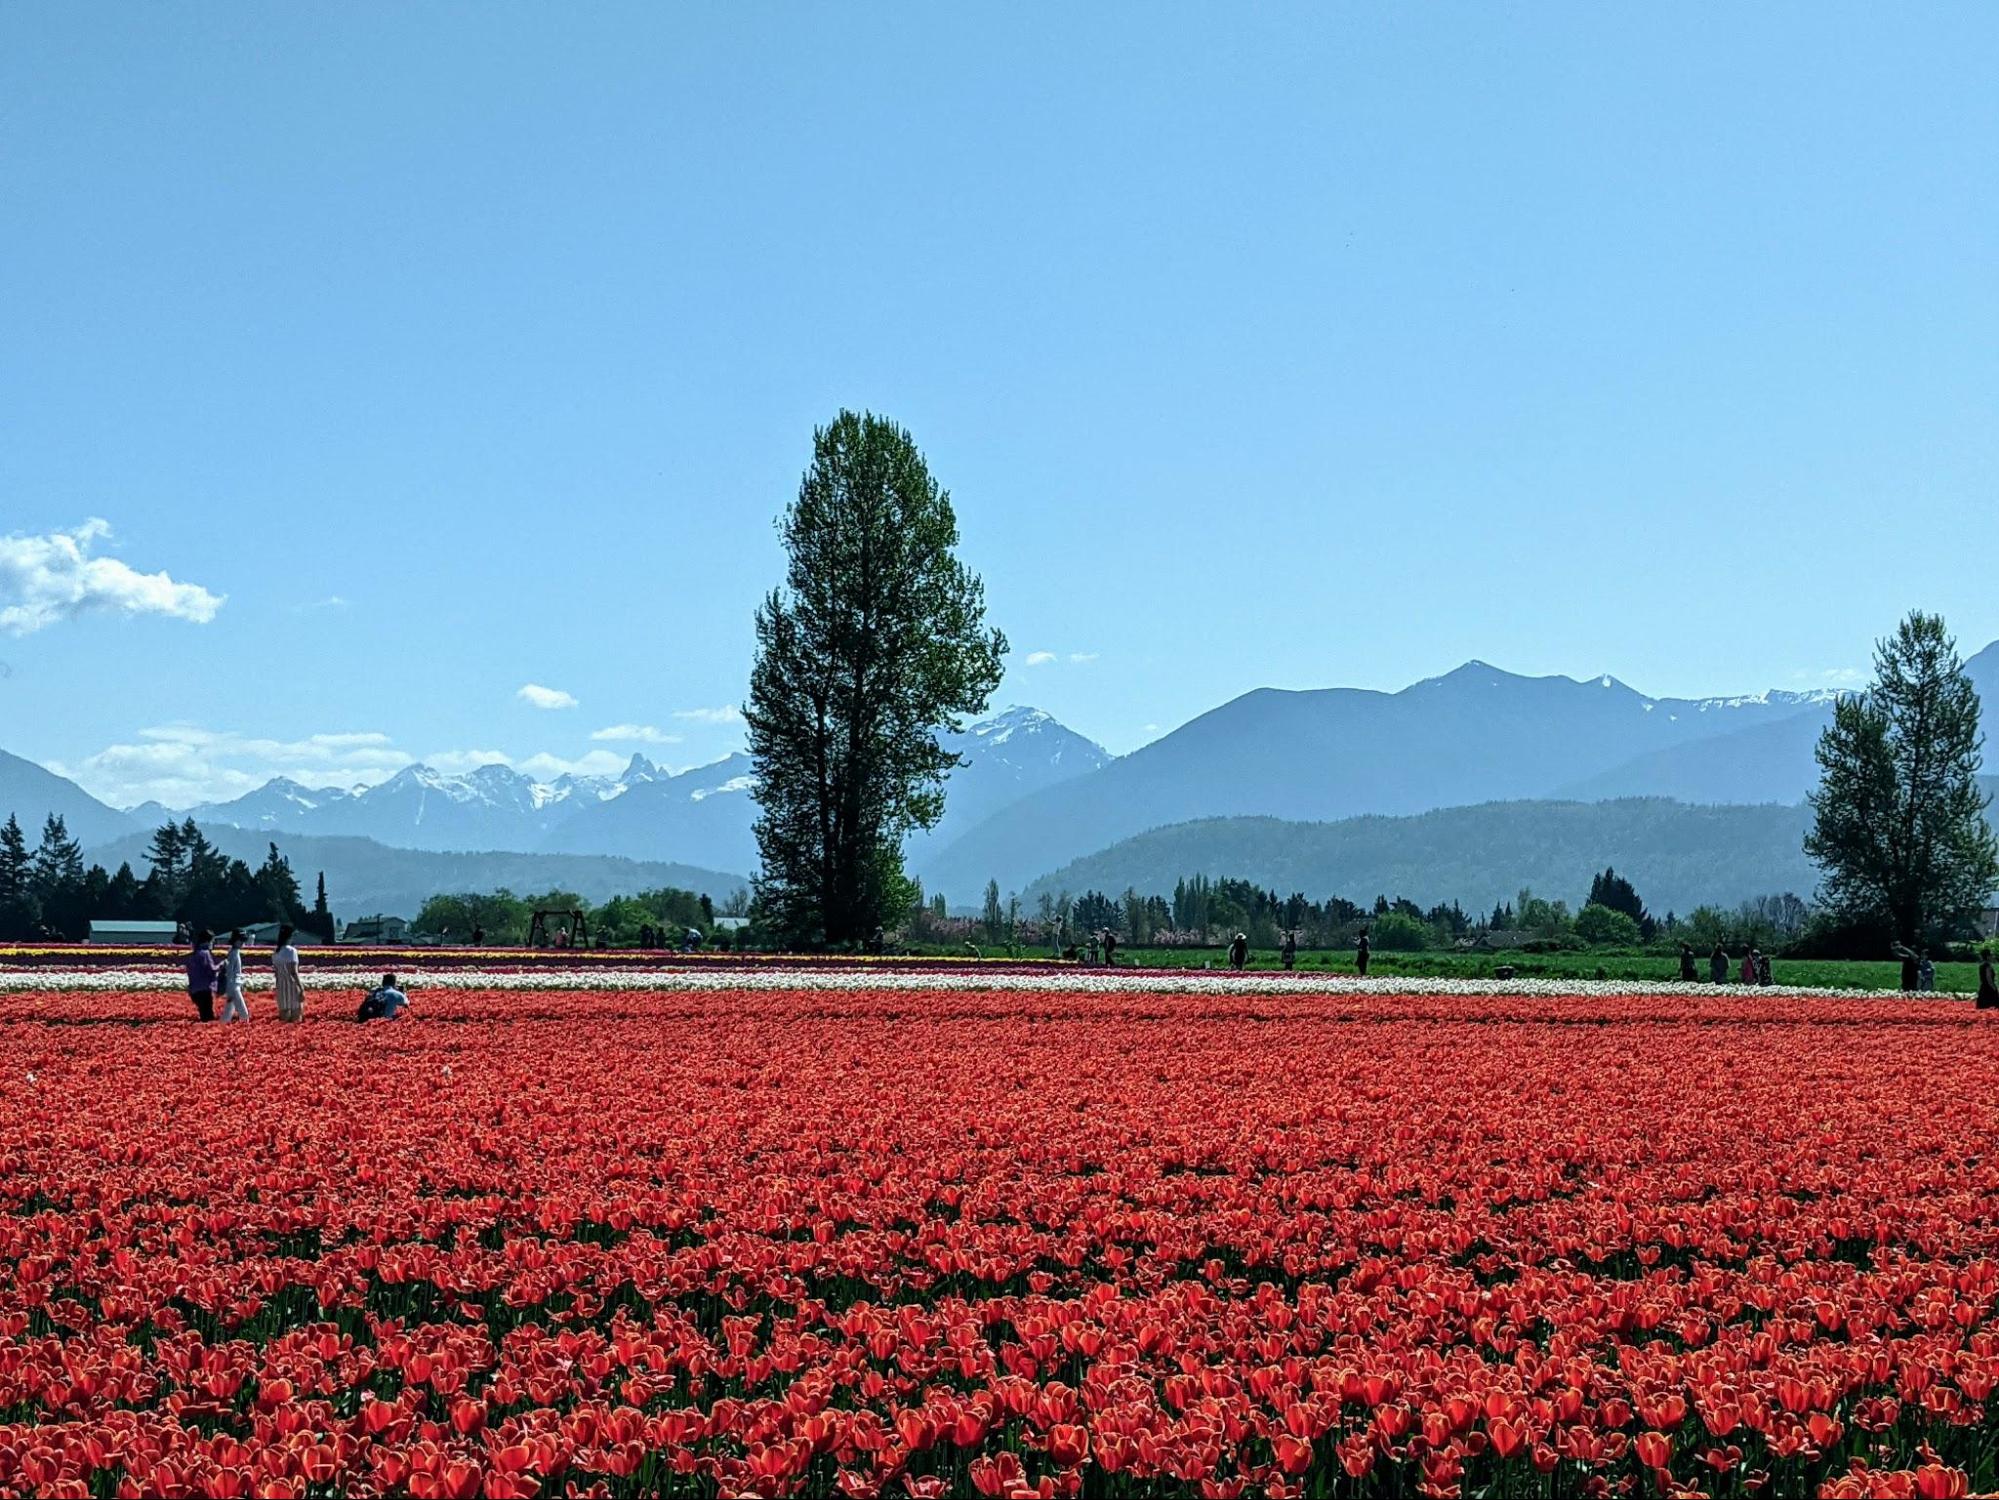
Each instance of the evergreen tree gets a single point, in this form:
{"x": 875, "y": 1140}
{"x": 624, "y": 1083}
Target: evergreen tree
{"x": 876, "y": 642}
{"x": 57, "y": 880}
{"x": 20, "y": 912}
{"x": 279, "y": 888}
{"x": 1614, "y": 891}
{"x": 125, "y": 896}
{"x": 993, "y": 917}
{"x": 321, "y": 923}
{"x": 1899, "y": 821}
{"x": 168, "y": 866}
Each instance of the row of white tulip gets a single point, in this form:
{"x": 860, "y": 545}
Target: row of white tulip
{"x": 1098, "y": 981}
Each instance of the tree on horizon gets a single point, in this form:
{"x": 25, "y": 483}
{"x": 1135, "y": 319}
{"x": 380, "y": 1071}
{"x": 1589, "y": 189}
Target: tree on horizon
{"x": 876, "y": 642}
{"x": 1900, "y": 827}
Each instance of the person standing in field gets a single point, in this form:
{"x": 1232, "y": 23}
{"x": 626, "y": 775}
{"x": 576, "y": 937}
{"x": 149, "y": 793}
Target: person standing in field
{"x": 233, "y": 1008}
{"x": 1110, "y": 947}
{"x": 1911, "y": 966}
{"x": 1926, "y": 974}
{"x": 1688, "y": 974}
{"x": 1988, "y": 983}
{"x": 1748, "y": 975}
{"x": 1763, "y": 968}
{"x": 202, "y": 975}
{"x": 1239, "y": 952}
{"x": 284, "y": 971}
{"x": 1289, "y": 952}
{"x": 1717, "y": 964}
{"x": 1361, "y": 954}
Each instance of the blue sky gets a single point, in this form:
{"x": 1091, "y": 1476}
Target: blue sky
{"x": 456, "y": 349}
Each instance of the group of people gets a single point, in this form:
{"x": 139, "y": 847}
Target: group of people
{"x": 1754, "y": 969}
{"x": 210, "y": 979}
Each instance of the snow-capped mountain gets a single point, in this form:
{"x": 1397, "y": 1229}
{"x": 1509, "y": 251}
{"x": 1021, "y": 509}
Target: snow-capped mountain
{"x": 702, "y": 816}
{"x": 493, "y": 807}
{"x": 706, "y": 815}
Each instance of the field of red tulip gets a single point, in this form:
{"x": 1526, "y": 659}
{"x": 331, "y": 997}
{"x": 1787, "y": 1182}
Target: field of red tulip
{"x": 998, "y": 1242}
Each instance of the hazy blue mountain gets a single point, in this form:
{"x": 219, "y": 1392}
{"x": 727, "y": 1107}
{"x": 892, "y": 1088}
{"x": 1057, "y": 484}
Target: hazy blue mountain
{"x": 1678, "y": 856}
{"x": 31, "y": 793}
{"x": 707, "y": 814}
{"x": 364, "y": 877}
{"x": 1770, "y": 762}
{"x": 1476, "y": 734}
{"x": 279, "y": 803}
{"x": 1766, "y": 763}
{"x": 704, "y": 815}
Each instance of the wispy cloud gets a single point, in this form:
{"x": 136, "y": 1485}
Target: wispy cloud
{"x": 536, "y": 696}
{"x": 184, "y": 764}
{"x": 1832, "y": 676}
{"x": 634, "y": 734}
{"x": 1044, "y": 658}
{"x": 728, "y": 713}
{"x": 55, "y": 576}
{"x": 546, "y": 767}
{"x": 331, "y": 601}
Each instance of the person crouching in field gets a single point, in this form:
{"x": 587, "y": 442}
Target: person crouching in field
{"x": 284, "y": 973}
{"x": 383, "y": 1003}
{"x": 233, "y": 1008}
{"x": 202, "y": 975}
{"x": 1988, "y": 985}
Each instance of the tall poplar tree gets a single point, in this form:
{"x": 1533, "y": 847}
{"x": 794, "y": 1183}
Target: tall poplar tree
{"x": 876, "y": 642}
{"x": 1900, "y": 826}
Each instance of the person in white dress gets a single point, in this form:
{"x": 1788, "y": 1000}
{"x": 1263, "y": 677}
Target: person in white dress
{"x": 233, "y": 1008}
{"x": 284, "y": 968}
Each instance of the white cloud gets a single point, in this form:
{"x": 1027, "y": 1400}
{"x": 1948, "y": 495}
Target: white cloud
{"x": 546, "y": 767}
{"x": 53, "y": 577}
{"x": 184, "y": 764}
{"x": 536, "y": 696}
{"x": 458, "y": 762}
{"x": 728, "y": 713}
{"x": 634, "y": 734}
{"x": 1043, "y": 658}
{"x": 1832, "y": 676}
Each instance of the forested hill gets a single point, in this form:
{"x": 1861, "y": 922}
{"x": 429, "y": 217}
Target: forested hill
{"x": 364, "y": 877}
{"x": 1679, "y": 856}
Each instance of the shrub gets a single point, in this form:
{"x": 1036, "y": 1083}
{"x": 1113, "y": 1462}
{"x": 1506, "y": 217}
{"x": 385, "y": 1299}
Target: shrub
{"x": 1398, "y": 932}
{"x": 1602, "y": 926}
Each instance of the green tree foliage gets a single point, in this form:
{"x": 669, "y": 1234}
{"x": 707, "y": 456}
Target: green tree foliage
{"x": 282, "y": 902}
{"x": 1614, "y": 891}
{"x": 1899, "y": 820}
{"x": 1543, "y": 918}
{"x": 1398, "y": 932}
{"x": 876, "y": 642}
{"x": 503, "y": 917}
{"x": 320, "y": 920}
{"x": 1604, "y": 926}
{"x": 20, "y": 913}
{"x": 993, "y": 916}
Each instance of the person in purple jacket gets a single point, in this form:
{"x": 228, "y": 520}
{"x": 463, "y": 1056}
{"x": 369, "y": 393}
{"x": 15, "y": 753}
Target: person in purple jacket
{"x": 202, "y": 975}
